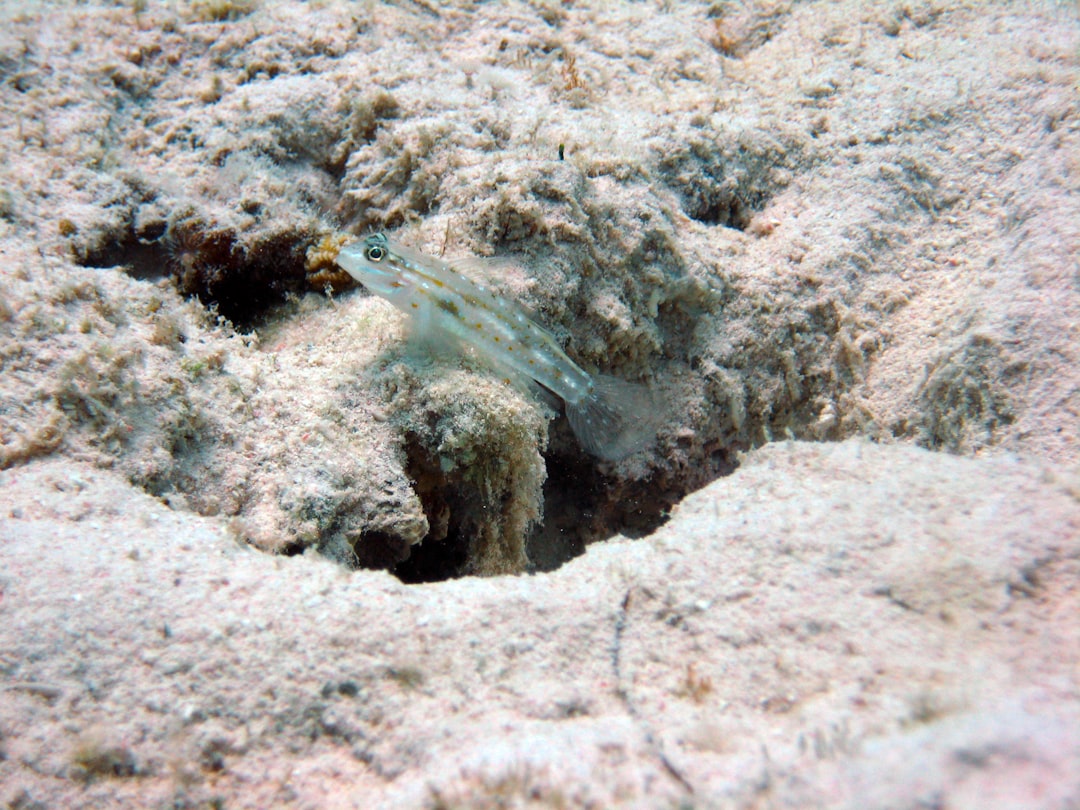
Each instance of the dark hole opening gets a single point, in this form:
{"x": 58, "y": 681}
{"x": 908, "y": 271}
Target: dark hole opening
{"x": 434, "y": 561}
{"x": 242, "y": 286}
{"x": 582, "y": 506}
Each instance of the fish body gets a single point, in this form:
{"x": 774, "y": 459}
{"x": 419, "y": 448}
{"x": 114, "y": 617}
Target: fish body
{"x": 610, "y": 417}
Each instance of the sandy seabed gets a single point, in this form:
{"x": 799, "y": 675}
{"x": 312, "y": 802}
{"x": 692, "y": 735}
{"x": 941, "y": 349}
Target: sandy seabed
{"x": 840, "y": 240}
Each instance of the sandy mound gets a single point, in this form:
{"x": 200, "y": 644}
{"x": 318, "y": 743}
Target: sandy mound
{"x": 843, "y": 625}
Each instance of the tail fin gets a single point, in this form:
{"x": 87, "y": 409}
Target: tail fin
{"x": 616, "y": 419}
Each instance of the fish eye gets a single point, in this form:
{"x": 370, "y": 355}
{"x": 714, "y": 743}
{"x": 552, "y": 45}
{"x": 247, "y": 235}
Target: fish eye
{"x": 375, "y": 253}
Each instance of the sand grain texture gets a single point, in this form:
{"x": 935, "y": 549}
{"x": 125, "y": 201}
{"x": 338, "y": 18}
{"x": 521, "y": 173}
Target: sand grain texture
{"x": 833, "y": 625}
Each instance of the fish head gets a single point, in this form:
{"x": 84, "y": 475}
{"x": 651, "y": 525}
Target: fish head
{"x": 373, "y": 262}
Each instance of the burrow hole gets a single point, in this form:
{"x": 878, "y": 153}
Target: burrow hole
{"x": 582, "y": 505}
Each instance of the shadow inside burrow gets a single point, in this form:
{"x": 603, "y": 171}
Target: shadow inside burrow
{"x": 246, "y": 287}
{"x": 583, "y": 503}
